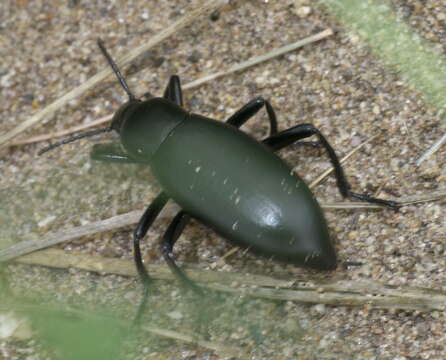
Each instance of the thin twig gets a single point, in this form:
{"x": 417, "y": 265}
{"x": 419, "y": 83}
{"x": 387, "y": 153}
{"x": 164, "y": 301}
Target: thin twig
{"x": 434, "y": 148}
{"x": 223, "y": 349}
{"x": 239, "y": 67}
{"x": 311, "y": 290}
{"x": 189, "y": 18}
{"x": 262, "y": 58}
{"x": 50, "y": 239}
{"x": 130, "y": 218}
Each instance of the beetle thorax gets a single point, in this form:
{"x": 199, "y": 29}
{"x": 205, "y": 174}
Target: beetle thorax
{"x": 144, "y": 125}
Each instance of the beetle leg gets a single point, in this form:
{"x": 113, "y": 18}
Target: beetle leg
{"x": 250, "y": 109}
{"x": 171, "y": 235}
{"x": 173, "y": 91}
{"x": 111, "y": 152}
{"x": 291, "y": 135}
{"x": 144, "y": 224}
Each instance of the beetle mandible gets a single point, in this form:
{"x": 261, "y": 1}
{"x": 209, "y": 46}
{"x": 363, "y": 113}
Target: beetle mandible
{"x": 222, "y": 177}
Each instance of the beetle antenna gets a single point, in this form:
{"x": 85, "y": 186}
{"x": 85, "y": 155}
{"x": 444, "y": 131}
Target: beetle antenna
{"x": 115, "y": 70}
{"x": 74, "y": 138}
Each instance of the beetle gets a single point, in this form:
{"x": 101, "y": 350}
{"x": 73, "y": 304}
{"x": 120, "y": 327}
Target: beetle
{"x": 222, "y": 177}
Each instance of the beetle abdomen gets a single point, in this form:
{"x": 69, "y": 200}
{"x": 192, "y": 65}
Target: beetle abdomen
{"x": 245, "y": 192}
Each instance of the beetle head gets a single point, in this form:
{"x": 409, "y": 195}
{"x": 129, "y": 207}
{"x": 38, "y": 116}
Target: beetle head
{"x": 144, "y": 125}
{"x": 123, "y": 113}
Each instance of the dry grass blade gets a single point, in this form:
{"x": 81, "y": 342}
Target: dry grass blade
{"x": 222, "y": 349}
{"x": 51, "y": 239}
{"x": 239, "y": 67}
{"x": 116, "y": 222}
{"x": 187, "y": 19}
{"x": 432, "y": 150}
{"x": 311, "y": 290}
{"x": 258, "y": 59}
{"x": 425, "y": 300}
{"x": 433, "y": 196}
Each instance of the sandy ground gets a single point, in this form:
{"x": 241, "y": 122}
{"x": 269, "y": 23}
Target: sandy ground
{"x": 48, "y": 48}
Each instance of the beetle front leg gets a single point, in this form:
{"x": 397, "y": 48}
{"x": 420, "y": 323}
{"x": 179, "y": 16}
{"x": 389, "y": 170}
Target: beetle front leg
{"x": 144, "y": 224}
{"x": 250, "y": 109}
{"x": 173, "y": 91}
{"x": 111, "y": 152}
{"x": 302, "y": 131}
{"x": 170, "y": 237}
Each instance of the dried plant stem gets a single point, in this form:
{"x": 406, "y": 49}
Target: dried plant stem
{"x": 434, "y": 148}
{"x": 223, "y": 349}
{"x": 51, "y": 239}
{"x": 311, "y": 290}
{"x": 190, "y": 17}
{"x": 239, "y": 67}
{"x": 258, "y": 59}
{"x": 116, "y": 222}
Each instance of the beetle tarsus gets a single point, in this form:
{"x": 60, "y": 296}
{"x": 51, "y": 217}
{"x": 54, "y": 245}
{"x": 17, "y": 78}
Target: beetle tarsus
{"x": 364, "y": 197}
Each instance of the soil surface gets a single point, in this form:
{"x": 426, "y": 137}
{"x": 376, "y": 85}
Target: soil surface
{"x": 49, "y": 47}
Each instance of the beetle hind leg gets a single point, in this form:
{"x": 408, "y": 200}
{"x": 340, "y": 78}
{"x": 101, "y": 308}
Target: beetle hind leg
{"x": 302, "y": 131}
{"x": 170, "y": 237}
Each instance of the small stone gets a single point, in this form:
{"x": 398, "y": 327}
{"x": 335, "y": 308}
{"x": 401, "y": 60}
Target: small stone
{"x": 352, "y": 235}
{"x": 13, "y": 327}
{"x": 176, "y": 315}
{"x": 292, "y": 325}
{"x": 376, "y": 109}
{"x": 441, "y": 16}
{"x": 319, "y": 309}
{"x": 303, "y": 11}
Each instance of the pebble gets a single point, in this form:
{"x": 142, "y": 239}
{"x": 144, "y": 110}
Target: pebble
{"x": 303, "y": 11}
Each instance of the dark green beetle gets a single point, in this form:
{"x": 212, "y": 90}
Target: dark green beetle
{"x": 222, "y": 177}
